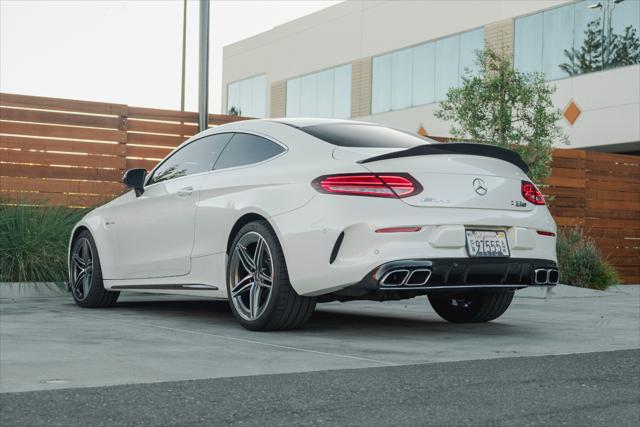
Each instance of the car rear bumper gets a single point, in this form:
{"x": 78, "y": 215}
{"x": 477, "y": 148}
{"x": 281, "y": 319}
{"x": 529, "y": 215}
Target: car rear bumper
{"x": 320, "y": 261}
{"x": 408, "y": 278}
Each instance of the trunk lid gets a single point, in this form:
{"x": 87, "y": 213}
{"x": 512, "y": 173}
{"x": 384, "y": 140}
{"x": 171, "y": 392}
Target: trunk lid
{"x": 451, "y": 180}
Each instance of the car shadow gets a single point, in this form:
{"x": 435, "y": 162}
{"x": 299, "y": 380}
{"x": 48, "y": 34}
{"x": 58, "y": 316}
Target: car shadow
{"x": 403, "y": 325}
{"x": 349, "y": 321}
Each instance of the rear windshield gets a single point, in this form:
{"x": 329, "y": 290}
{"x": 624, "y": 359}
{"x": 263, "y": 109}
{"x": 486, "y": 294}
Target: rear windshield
{"x": 362, "y": 135}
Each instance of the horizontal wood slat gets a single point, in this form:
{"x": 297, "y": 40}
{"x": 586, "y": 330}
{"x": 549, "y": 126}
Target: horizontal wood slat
{"x": 569, "y": 153}
{"x": 48, "y": 185}
{"x": 55, "y": 172}
{"x": 73, "y": 200}
{"x": 50, "y": 117}
{"x": 68, "y": 132}
{"x": 64, "y": 145}
{"x": 61, "y": 104}
{"x": 617, "y": 233}
{"x": 49, "y": 158}
{"x": 141, "y": 163}
{"x": 163, "y": 115}
{"x": 613, "y": 204}
{"x": 568, "y": 173}
{"x": 165, "y": 128}
{"x": 149, "y": 139}
{"x": 602, "y": 195}
{"x": 148, "y": 152}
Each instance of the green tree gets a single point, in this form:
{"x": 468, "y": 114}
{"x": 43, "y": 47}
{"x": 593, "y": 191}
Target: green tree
{"x": 502, "y": 106}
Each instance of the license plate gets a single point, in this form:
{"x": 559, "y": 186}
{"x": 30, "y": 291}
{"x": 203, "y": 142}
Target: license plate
{"x": 482, "y": 243}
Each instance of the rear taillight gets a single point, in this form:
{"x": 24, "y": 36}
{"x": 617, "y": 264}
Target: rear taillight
{"x": 531, "y": 193}
{"x": 369, "y": 184}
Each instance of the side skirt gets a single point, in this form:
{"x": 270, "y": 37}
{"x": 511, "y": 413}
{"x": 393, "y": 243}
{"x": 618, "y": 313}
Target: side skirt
{"x": 199, "y": 287}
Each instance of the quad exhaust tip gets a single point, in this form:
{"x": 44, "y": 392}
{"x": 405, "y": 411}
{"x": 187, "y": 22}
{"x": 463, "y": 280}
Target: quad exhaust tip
{"x": 406, "y": 277}
{"x": 546, "y": 276}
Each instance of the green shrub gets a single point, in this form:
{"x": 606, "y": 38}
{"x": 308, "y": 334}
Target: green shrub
{"x": 33, "y": 242}
{"x": 580, "y": 262}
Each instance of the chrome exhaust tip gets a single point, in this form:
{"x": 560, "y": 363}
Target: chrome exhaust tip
{"x": 419, "y": 277}
{"x": 546, "y": 276}
{"x": 395, "y": 278}
{"x": 541, "y": 276}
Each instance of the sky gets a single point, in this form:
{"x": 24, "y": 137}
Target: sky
{"x": 127, "y": 52}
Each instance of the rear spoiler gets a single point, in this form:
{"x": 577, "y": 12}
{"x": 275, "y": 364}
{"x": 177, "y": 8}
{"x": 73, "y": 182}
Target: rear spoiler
{"x": 472, "y": 149}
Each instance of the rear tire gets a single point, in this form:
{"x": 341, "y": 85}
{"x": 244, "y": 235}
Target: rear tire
{"x": 470, "y": 308}
{"x": 87, "y": 286}
{"x": 260, "y": 294}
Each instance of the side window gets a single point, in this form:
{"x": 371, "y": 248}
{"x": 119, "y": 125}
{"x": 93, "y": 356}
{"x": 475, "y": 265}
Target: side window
{"x": 198, "y": 156}
{"x": 244, "y": 149}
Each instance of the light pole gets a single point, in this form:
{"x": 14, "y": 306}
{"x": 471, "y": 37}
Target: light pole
{"x": 184, "y": 53}
{"x": 203, "y": 67}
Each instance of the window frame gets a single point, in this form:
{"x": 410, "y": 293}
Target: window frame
{"x": 254, "y": 133}
{"x": 153, "y": 171}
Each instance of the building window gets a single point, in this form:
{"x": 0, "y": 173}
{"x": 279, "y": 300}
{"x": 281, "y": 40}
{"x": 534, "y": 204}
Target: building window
{"x": 447, "y": 64}
{"x": 323, "y": 94}
{"x": 423, "y": 74}
{"x": 248, "y": 97}
{"x": 578, "y": 38}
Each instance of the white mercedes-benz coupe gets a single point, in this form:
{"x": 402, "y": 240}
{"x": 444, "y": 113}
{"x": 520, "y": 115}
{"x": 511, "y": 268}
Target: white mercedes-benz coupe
{"x": 278, "y": 215}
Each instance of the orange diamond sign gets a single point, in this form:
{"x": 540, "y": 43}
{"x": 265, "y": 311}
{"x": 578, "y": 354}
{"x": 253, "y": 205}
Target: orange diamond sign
{"x": 572, "y": 112}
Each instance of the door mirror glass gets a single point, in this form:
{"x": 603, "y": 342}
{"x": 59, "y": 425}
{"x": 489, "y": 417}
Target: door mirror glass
{"x": 134, "y": 178}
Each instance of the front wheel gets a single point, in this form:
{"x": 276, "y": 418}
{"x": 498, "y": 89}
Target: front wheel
{"x": 260, "y": 294}
{"x": 472, "y": 307}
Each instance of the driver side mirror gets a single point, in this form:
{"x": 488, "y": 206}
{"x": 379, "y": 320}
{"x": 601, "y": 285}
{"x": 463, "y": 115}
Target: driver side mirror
{"x": 134, "y": 178}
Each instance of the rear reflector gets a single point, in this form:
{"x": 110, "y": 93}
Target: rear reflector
{"x": 546, "y": 233}
{"x": 373, "y": 185}
{"x": 398, "y": 230}
{"x": 531, "y": 193}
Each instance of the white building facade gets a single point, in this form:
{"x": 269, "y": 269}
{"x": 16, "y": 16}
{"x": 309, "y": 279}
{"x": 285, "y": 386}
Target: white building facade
{"x": 392, "y": 62}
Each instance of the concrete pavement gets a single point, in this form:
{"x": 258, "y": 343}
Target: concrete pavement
{"x": 51, "y": 343}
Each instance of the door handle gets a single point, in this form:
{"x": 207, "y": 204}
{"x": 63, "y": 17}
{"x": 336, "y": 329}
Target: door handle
{"x": 184, "y": 192}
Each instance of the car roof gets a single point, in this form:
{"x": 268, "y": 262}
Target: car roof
{"x": 301, "y": 122}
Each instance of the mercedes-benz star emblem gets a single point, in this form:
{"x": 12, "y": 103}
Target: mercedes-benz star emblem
{"x": 480, "y": 186}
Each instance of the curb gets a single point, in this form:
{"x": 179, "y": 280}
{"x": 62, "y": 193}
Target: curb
{"x": 20, "y": 290}
{"x": 566, "y": 291}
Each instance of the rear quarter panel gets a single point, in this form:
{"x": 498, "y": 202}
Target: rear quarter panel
{"x": 269, "y": 189}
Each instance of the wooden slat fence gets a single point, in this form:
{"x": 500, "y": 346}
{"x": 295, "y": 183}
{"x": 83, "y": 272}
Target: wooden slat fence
{"x": 600, "y": 192}
{"x": 73, "y": 153}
